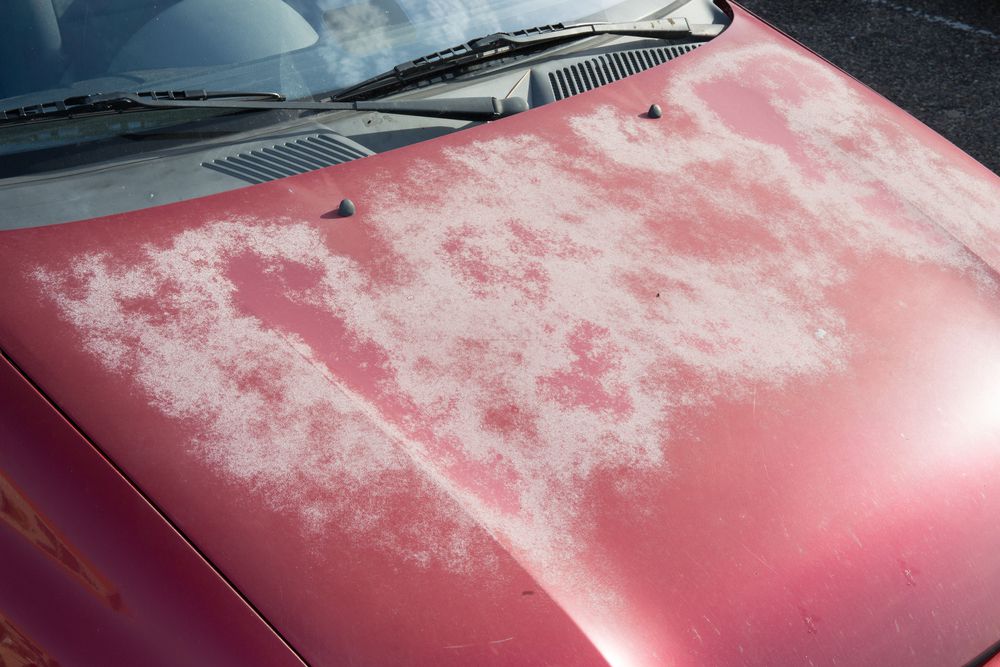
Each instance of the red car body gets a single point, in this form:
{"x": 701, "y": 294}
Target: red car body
{"x": 579, "y": 386}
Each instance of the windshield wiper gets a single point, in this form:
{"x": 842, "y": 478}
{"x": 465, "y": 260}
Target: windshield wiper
{"x": 501, "y": 44}
{"x": 458, "y": 108}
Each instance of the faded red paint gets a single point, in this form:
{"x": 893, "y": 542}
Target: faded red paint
{"x": 715, "y": 388}
{"x": 582, "y": 383}
{"x": 91, "y": 574}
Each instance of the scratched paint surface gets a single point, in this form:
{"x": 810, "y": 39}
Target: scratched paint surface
{"x": 516, "y": 379}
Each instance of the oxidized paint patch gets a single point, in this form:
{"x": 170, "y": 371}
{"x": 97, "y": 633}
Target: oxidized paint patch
{"x": 539, "y": 321}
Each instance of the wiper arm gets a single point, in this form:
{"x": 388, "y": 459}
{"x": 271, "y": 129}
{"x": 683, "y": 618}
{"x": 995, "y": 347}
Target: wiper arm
{"x": 458, "y": 108}
{"x": 501, "y": 44}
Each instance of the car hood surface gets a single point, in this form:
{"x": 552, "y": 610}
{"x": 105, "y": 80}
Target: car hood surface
{"x": 575, "y": 387}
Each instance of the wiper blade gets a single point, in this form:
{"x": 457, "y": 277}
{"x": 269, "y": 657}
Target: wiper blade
{"x": 81, "y": 105}
{"x": 458, "y": 108}
{"x": 501, "y": 44}
{"x": 678, "y": 28}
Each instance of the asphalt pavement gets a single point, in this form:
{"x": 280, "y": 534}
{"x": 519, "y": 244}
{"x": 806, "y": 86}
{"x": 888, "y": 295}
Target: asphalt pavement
{"x": 938, "y": 59}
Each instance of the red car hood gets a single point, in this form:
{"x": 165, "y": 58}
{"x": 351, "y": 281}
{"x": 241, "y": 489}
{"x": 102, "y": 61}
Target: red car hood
{"x": 578, "y": 386}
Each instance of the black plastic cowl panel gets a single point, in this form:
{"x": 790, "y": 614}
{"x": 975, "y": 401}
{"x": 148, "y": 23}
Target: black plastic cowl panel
{"x": 572, "y": 76}
{"x": 301, "y": 155}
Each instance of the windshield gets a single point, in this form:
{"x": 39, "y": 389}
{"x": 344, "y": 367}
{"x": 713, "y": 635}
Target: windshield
{"x": 78, "y": 79}
{"x": 300, "y": 48}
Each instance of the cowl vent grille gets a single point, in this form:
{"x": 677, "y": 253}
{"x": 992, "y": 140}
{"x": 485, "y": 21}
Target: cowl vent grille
{"x": 268, "y": 163}
{"x": 605, "y": 68}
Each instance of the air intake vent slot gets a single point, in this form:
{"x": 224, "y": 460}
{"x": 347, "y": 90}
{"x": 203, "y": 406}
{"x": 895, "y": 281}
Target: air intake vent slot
{"x": 269, "y": 162}
{"x": 600, "y": 70}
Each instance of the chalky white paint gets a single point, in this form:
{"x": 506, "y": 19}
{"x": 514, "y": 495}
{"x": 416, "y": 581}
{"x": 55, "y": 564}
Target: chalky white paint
{"x": 545, "y": 301}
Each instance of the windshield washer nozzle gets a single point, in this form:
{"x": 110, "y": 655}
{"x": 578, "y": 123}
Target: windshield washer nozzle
{"x": 346, "y": 208}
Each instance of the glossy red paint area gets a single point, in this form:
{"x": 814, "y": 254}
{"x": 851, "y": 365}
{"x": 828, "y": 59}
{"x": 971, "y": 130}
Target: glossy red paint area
{"x": 575, "y": 387}
{"x": 92, "y": 575}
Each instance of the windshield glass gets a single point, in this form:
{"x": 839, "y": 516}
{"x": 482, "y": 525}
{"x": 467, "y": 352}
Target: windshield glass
{"x": 300, "y": 48}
